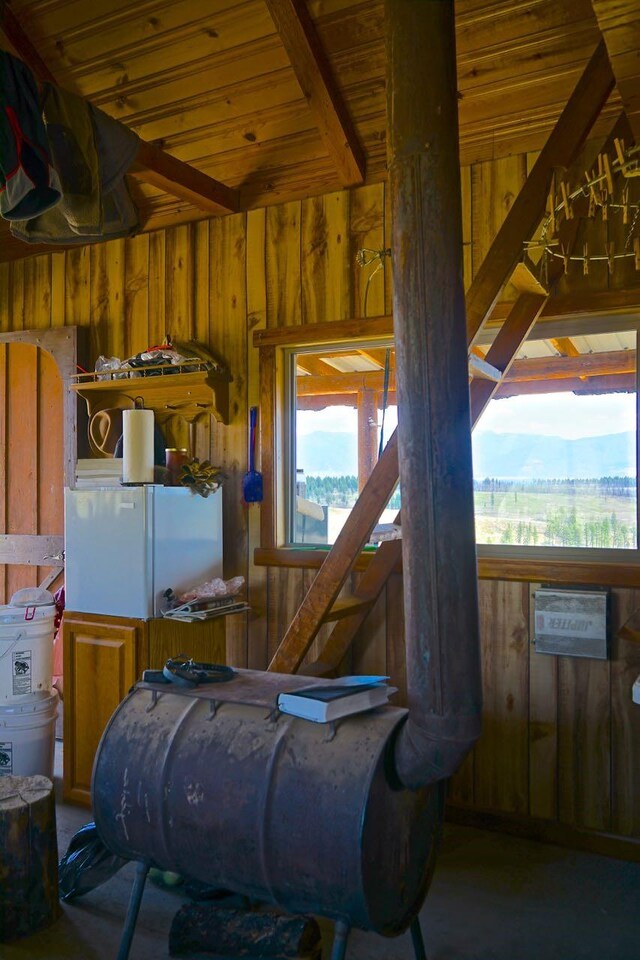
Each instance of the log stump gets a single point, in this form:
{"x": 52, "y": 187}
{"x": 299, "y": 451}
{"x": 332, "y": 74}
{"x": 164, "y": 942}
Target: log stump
{"x": 28, "y": 856}
{"x": 206, "y": 928}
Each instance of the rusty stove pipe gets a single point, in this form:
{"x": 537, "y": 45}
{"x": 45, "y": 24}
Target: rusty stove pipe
{"x": 439, "y": 561}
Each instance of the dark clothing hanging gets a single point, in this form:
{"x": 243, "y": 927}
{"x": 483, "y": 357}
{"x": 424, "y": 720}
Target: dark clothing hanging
{"x": 91, "y": 153}
{"x": 29, "y": 184}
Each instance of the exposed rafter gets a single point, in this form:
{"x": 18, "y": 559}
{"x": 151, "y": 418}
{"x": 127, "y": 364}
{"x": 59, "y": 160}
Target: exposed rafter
{"x": 152, "y": 164}
{"x": 602, "y": 364}
{"x": 313, "y": 365}
{"x": 608, "y": 383}
{"x": 586, "y": 364}
{"x": 311, "y": 67}
{"x": 379, "y": 357}
{"x": 565, "y": 346}
{"x": 615, "y": 383}
{"x": 165, "y": 171}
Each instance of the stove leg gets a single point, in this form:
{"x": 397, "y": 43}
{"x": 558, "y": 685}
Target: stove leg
{"x": 135, "y": 900}
{"x": 341, "y": 933}
{"x": 417, "y": 940}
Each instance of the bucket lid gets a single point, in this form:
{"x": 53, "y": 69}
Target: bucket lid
{"x": 25, "y": 615}
{"x": 35, "y": 704}
{"x": 31, "y": 597}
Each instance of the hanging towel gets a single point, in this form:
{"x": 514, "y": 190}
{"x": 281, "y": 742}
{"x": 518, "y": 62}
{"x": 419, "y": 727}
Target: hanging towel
{"x": 92, "y": 152}
{"x": 29, "y": 183}
{"x": 69, "y": 126}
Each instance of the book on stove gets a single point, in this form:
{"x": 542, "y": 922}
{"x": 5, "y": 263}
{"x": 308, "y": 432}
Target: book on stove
{"x": 323, "y": 703}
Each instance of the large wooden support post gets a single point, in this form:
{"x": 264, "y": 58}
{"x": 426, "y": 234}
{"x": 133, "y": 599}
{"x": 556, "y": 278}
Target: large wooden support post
{"x": 438, "y": 547}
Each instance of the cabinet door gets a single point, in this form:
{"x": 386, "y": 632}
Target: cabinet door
{"x": 101, "y": 657}
{"x": 202, "y": 641}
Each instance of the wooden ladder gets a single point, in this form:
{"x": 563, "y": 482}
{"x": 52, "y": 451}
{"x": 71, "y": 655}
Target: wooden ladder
{"x": 321, "y": 604}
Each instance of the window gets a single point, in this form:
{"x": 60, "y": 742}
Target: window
{"x": 555, "y": 452}
{"x": 555, "y": 460}
{"x": 338, "y": 403}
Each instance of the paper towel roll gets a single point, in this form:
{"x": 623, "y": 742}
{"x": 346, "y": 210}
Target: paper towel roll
{"x": 137, "y": 446}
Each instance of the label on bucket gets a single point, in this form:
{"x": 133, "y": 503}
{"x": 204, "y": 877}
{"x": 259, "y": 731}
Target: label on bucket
{"x": 6, "y": 757}
{"x": 21, "y": 660}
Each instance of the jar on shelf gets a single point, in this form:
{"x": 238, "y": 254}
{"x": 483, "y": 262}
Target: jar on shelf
{"x": 175, "y": 457}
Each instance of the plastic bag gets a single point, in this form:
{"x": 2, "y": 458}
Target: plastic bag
{"x": 213, "y": 588}
{"x": 86, "y": 864}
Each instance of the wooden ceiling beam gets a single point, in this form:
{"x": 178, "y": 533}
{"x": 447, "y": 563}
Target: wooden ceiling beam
{"x": 616, "y": 383}
{"x": 152, "y": 164}
{"x": 155, "y": 166}
{"x": 561, "y": 148}
{"x": 619, "y": 24}
{"x": 334, "y": 400}
{"x": 342, "y": 383}
{"x": 379, "y": 357}
{"x": 611, "y": 363}
{"x": 313, "y": 365}
{"x": 578, "y": 365}
{"x": 311, "y": 67}
{"x": 565, "y": 346}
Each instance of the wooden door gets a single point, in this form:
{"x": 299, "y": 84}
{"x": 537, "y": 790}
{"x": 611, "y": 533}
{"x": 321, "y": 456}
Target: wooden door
{"x": 38, "y": 420}
{"x": 31, "y": 465}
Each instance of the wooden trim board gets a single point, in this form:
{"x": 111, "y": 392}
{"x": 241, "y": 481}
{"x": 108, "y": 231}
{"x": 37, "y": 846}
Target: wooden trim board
{"x": 546, "y": 831}
{"x": 602, "y": 573}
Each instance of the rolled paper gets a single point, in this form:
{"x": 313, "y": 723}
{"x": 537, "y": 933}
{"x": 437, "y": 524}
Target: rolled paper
{"x": 137, "y": 446}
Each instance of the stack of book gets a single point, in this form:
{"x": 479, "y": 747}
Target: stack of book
{"x": 323, "y": 703}
{"x": 206, "y": 609}
{"x": 93, "y": 474}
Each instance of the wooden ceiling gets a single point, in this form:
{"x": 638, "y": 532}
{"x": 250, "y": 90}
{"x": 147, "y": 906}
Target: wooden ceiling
{"x": 211, "y": 83}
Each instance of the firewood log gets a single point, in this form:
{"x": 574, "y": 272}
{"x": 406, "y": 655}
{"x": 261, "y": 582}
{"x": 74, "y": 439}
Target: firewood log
{"x": 28, "y": 856}
{"x": 205, "y": 927}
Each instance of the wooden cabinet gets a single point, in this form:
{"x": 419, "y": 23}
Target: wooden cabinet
{"x": 103, "y": 658}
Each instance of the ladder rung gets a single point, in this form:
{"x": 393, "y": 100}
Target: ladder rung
{"x": 481, "y": 370}
{"x": 346, "y": 607}
{"x": 525, "y": 281}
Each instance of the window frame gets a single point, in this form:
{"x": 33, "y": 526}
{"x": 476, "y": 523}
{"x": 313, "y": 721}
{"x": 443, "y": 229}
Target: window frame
{"x": 567, "y": 316}
{"x": 599, "y": 555}
{"x": 290, "y": 416}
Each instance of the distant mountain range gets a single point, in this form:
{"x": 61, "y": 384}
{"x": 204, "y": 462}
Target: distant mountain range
{"x": 328, "y": 454}
{"x": 517, "y": 456}
{"x": 511, "y": 456}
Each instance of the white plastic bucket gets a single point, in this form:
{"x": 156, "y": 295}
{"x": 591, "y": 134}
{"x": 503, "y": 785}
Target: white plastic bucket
{"x": 26, "y": 652}
{"x": 27, "y": 737}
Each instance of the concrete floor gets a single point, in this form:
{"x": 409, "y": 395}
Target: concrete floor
{"x": 493, "y": 897}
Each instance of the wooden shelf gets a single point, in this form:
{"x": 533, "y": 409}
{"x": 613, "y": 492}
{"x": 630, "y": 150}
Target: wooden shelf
{"x": 187, "y": 395}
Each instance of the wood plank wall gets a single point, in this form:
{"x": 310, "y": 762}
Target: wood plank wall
{"x": 559, "y": 734}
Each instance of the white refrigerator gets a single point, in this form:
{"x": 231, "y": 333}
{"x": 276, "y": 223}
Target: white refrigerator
{"x": 125, "y": 547}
